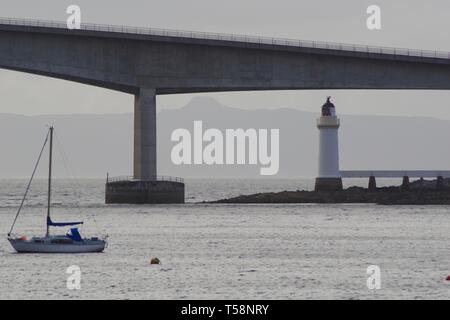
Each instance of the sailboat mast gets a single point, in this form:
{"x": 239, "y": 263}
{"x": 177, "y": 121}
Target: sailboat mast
{"x": 49, "y": 180}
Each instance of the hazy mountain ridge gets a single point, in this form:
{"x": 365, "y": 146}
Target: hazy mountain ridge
{"x": 96, "y": 144}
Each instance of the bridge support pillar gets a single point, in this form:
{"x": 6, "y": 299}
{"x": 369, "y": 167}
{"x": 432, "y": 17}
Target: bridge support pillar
{"x": 145, "y": 186}
{"x": 405, "y": 183}
{"x": 144, "y": 157}
{"x": 372, "y": 184}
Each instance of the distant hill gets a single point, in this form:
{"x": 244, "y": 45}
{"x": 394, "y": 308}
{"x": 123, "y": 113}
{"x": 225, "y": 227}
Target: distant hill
{"x": 95, "y": 144}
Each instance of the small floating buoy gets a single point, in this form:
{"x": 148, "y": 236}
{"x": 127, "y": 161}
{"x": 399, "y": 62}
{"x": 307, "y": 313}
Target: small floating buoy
{"x": 448, "y": 278}
{"x": 154, "y": 260}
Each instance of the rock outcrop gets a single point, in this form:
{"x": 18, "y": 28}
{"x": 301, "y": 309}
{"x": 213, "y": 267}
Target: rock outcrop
{"x": 420, "y": 193}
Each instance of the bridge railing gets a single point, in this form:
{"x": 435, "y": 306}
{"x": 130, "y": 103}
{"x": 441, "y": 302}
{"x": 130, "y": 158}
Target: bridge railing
{"x": 232, "y": 37}
{"x": 154, "y": 178}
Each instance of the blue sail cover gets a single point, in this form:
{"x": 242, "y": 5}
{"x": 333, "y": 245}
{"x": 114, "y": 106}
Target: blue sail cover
{"x": 62, "y": 224}
{"x": 75, "y": 234}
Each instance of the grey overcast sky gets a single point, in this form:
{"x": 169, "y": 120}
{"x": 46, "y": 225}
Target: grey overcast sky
{"x": 405, "y": 23}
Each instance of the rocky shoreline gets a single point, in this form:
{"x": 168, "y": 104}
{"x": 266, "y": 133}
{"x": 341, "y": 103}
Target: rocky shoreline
{"x": 420, "y": 193}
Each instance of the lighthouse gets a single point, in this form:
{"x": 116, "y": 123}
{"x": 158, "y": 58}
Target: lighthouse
{"x": 329, "y": 177}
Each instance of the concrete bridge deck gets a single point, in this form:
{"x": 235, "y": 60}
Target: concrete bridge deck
{"x": 397, "y": 53}
{"x": 172, "y": 61}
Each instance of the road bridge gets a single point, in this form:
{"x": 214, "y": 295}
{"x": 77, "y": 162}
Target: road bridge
{"x": 148, "y": 62}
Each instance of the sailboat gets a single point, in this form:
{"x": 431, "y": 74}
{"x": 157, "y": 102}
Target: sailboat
{"x": 71, "y": 242}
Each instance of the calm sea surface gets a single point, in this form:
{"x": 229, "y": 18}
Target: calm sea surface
{"x": 211, "y": 251}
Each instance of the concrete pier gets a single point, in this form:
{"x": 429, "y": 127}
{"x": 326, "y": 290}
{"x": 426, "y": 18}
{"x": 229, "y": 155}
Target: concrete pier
{"x": 145, "y": 187}
{"x": 421, "y": 182}
{"x": 372, "y": 183}
{"x": 440, "y": 183}
{"x": 405, "y": 183}
{"x": 328, "y": 184}
{"x": 163, "y": 190}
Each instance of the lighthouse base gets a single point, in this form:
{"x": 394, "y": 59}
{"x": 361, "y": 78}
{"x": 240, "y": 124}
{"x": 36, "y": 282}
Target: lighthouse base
{"x": 328, "y": 184}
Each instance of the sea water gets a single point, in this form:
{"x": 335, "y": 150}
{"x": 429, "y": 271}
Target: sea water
{"x": 227, "y": 251}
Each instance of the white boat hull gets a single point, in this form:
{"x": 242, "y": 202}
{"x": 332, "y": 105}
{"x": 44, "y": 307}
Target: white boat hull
{"x": 86, "y": 246}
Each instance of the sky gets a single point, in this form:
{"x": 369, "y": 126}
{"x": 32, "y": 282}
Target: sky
{"x": 405, "y": 23}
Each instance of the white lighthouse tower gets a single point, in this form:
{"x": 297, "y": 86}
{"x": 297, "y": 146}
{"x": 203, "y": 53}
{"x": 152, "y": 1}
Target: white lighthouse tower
{"x": 329, "y": 178}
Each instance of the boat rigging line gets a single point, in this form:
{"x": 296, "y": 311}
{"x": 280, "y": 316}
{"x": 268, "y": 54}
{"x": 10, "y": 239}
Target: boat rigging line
{"x": 29, "y": 184}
